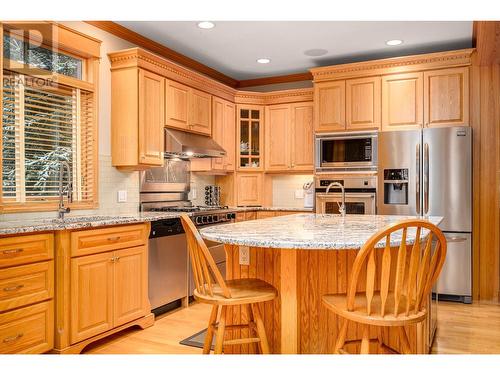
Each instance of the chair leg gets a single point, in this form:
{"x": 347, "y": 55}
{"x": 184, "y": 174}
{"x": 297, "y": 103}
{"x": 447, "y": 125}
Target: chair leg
{"x": 341, "y": 339}
{"x": 403, "y": 338}
{"x": 252, "y": 348}
{"x": 210, "y": 330}
{"x": 380, "y": 337}
{"x": 220, "y": 331}
{"x": 365, "y": 341}
{"x": 261, "y": 331}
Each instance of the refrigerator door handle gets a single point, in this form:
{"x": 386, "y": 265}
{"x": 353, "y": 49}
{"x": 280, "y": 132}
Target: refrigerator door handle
{"x": 426, "y": 178}
{"x": 417, "y": 179}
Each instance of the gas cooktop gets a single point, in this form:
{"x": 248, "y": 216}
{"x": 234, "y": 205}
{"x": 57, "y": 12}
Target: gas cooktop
{"x": 188, "y": 208}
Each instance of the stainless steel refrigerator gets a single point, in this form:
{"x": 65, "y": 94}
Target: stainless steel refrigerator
{"x": 428, "y": 172}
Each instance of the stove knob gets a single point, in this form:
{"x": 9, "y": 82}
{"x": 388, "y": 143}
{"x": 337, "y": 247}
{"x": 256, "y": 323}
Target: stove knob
{"x": 198, "y": 220}
{"x": 210, "y": 219}
{"x": 204, "y": 220}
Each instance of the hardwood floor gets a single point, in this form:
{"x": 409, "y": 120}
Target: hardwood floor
{"x": 469, "y": 329}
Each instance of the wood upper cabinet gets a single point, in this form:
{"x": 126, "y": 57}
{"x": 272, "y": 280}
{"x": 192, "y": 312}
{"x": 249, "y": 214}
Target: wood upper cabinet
{"x": 187, "y": 108}
{"x": 177, "y": 105}
{"x": 302, "y": 137}
{"x": 250, "y": 137}
{"x": 151, "y": 101}
{"x": 91, "y": 295}
{"x": 278, "y": 137}
{"x": 289, "y": 137}
{"x": 137, "y": 112}
{"x": 224, "y": 132}
{"x": 363, "y": 103}
{"x": 200, "y": 112}
{"x": 446, "y": 97}
{"x": 130, "y": 287}
{"x": 249, "y": 188}
{"x": 402, "y": 101}
{"x": 329, "y": 113}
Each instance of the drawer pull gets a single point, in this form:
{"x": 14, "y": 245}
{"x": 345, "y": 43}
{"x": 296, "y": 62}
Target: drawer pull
{"x": 13, "y": 288}
{"x": 13, "y": 338}
{"x": 13, "y": 251}
{"x": 114, "y": 238}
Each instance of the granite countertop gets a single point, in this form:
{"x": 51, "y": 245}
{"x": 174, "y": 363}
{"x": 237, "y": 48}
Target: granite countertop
{"x": 309, "y": 231}
{"x": 91, "y": 221}
{"x": 270, "y": 208}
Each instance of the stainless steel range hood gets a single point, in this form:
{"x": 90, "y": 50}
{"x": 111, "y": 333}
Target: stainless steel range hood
{"x": 188, "y": 145}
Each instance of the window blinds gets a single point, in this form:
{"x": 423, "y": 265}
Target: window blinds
{"x": 43, "y": 124}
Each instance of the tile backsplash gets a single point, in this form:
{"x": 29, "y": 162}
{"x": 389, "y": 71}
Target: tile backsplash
{"x": 197, "y": 190}
{"x": 285, "y": 187}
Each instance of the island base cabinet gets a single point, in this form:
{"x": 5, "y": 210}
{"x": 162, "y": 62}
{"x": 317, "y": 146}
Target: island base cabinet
{"x": 302, "y": 277}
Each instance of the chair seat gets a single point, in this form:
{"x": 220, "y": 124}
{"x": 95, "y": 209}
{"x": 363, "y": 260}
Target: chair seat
{"x": 243, "y": 291}
{"x": 338, "y": 304}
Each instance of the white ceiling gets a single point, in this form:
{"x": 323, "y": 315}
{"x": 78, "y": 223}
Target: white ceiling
{"x": 233, "y": 46}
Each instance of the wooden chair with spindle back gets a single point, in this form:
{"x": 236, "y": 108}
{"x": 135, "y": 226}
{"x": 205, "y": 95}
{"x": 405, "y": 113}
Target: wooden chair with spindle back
{"x": 211, "y": 288}
{"x": 404, "y": 287}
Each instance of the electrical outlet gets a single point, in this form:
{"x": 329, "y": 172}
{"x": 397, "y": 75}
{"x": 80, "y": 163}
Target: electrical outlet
{"x": 244, "y": 256}
{"x": 299, "y": 194}
{"x": 122, "y": 196}
{"x": 194, "y": 192}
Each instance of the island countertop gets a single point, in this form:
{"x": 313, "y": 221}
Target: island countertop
{"x": 309, "y": 231}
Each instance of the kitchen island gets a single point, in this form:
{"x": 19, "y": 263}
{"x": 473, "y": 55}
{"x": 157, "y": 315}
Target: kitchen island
{"x": 305, "y": 256}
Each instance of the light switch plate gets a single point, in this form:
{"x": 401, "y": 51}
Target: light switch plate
{"x": 244, "y": 256}
{"x": 122, "y": 196}
{"x": 299, "y": 194}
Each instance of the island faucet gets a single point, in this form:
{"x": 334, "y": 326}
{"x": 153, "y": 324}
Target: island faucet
{"x": 66, "y": 190}
{"x": 342, "y": 206}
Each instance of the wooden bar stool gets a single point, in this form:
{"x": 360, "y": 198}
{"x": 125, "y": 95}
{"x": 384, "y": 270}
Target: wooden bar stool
{"x": 212, "y": 289}
{"x": 402, "y": 298}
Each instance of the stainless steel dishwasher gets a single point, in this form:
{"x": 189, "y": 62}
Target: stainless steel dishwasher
{"x": 168, "y": 262}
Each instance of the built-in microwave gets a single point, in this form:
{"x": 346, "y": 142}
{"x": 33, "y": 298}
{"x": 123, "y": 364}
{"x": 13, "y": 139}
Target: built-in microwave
{"x": 354, "y": 151}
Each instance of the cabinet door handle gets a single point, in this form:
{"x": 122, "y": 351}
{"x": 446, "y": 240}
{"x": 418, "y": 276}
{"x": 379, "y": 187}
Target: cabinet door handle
{"x": 114, "y": 238}
{"x": 13, "y": 251}
{"x": 13, "y": 338}
{"x": 13, "y": 288}
{"x": 117, "y": 259}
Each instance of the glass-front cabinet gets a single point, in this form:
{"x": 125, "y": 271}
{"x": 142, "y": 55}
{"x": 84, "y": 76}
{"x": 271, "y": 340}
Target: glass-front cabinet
{"x": 250, "y": 137}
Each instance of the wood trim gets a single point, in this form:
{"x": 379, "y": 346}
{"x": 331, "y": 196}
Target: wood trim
{"x": 274, "y": 97}
{"x": 306, "y": 76}
{"x": 139, "y": 58}
{"x": 141, "y": 41}
{"x": 402, "y": 64}
{"x": 486, "y": 39}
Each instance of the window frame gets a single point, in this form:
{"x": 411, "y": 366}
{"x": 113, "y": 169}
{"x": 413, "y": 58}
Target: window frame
{"x": 90, "y": 55}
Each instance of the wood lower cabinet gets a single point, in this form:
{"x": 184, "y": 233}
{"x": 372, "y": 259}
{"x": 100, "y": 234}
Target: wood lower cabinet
{"x": 137, "y": 112}
{"x": 402, "y": 101}
{"x": 446, "y": 97}
{"x": 104, "y": 292}
{"x": 224, "y": 133}
{"x": 363, "y": 103}
{"x": 249, "y": 189}
{"x": 330, "y": 106}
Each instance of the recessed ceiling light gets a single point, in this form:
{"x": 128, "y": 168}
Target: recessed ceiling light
{"x": 206, "y": 25}
{"x": 189, "y": 153}
{"x": 263, "y": 61}
{"x": 394, "y": 42}
{"x": 315, "y": 52}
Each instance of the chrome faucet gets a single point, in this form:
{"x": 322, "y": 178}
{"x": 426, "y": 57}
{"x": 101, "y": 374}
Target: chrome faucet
{"x": 341, "y": 206}
{"x": 66, "y": 190}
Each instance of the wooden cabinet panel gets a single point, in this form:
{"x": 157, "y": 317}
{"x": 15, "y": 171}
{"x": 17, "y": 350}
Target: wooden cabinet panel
{"x": 29, "y": 330}
{"x": 265, "y": 214}
{"x": 99, "y": 240}
{"x": 91, "y": 295}
{"x": 151, "y": 114}
{"x": 302, "y": 137}
{"x": 446, "y": 97}
{"x": 130, "y": 285}
{"x": 177, "y": 105}
{"x": 200, "y": 112}
{"x": 329, "y": 99}
{"x": 277, "y": 138}
{"x": 250, "y": 215}
{"x": 363, "y": 103}
{"x": 402, "y": 101}
{"x": 23, "y": 285}
{"x": 224, "y": 132}
{"x": 26, "y": 249}
{"x": 250, "y": 137}
{"x": 249, "y": 189}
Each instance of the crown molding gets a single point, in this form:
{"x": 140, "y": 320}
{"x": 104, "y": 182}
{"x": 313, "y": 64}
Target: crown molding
{"x": 306, "y": 76}
{"x": 400, "y": 64}
{"x": 159, "y": 49}
{"x": 274, "y": 97}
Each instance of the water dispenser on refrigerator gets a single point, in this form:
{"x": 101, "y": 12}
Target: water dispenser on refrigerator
{"x": 396, "y": 186}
